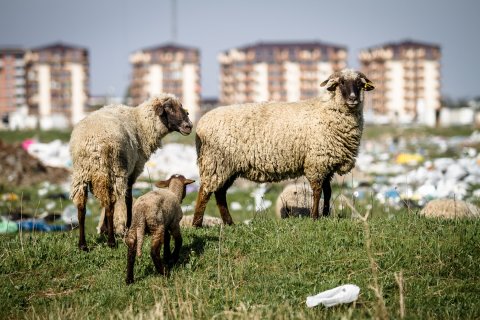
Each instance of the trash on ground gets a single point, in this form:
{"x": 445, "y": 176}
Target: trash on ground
{"x": 342, "y": 294}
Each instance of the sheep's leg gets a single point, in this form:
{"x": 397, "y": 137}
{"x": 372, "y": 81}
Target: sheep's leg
{"x": 327, "y": 194}
{"x": 177, "y": 236}
{"x": 131, "y": 244}
{"x": 157, "y": 242}
{"x": 167, "y": 253}
{"x": 317, "y": 193}
{"x": 202, "y": 200}
{"x": 128, "y": 202}
{"x": 81, "y": 211}
{"x": 109, "y": 209}
{"x": 221, "y": 197}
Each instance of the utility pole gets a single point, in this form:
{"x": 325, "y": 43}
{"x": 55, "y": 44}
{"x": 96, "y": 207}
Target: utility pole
{"x": 174, "y": 21}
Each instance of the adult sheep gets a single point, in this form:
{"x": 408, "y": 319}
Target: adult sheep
{"x": 109, "y": 149}
{"x": 273, "y": 141}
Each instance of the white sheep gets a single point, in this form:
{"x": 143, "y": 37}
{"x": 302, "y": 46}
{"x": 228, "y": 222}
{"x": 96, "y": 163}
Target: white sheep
{"x": 109, "y": 149}
{"x": 295, "y": 200}
{"x": 160, "y": 212}
{"x": 450, "y": 209}
{"x": 274, "y": 141}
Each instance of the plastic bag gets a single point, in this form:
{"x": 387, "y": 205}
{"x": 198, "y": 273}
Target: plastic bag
{"x": 342, "y": 294}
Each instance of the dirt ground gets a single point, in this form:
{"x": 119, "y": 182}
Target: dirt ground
{"x": 19, "y": 168}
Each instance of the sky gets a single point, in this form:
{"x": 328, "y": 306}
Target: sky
{"x": 113, "y": 29}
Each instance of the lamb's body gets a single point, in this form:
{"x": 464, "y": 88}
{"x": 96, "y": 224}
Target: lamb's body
{"x": 274, "y": 141}
{"x": 109, "y": 149}
{"x": 160, "y": 212}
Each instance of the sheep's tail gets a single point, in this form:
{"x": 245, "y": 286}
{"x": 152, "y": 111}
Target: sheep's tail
{"x": 78, "y": 191}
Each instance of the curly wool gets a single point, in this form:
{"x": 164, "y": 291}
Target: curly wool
{"x": 450, "y": 209}
{"x": 111, "y": 145}
{"x": 295, "y": 200}
{"x": 274, "y": 141}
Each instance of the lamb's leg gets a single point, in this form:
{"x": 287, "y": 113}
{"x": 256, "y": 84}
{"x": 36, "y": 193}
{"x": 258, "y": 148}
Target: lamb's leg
{"x": 109, "y": 209}
{"x": 202, "y": 200}
{"x": 157, "y": 242}
{"x": 167, "y": 253}
{"x": 81, "y": 211}
{"x": 177, "y": 236}
{"x": 131, "y": 242}
{"x": 317, "y": 193}
{"x": 327, "y": 194}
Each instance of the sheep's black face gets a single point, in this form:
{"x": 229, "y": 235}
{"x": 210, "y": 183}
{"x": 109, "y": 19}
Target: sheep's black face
{"x": 351, "y": 85}
{"x": 351, "y": 90}
{"x": 175, "y": 117}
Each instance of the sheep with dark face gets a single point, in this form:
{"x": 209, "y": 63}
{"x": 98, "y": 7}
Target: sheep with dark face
{"x": 109, "y": 149}
{"x": 274, "y": 141}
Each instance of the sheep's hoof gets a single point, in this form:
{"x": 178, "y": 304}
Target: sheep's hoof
{"x": 129, "y": 281}
{"x": 112, "y": 244}
{"x": 83, "y": 247}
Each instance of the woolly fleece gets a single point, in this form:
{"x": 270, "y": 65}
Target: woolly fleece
{"x": 273, "y": 141}
{"x": 112, "y": 145}
{"x": 450, "y": 209}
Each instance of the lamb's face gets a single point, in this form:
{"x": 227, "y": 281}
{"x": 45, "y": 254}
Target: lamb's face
{"x": 350, "y": 84}
{"x": 175, "y": 117}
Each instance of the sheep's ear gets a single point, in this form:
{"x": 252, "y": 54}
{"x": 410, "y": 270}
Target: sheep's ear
{"x": 188, "y": 181}
{"x": 330, "y": 84}
{"x": 367, "y": 84}
{"x": 162, "y": 183}
{"x": 159, "y": 109}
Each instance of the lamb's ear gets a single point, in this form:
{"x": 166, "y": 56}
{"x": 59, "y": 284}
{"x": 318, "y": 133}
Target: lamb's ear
{"x": 162, "y": 183}
{"x": 188, "y": 181}
{"x": 367, "y": 84}
{"x": 330, "y": 84}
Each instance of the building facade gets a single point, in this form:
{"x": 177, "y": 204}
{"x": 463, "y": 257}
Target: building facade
{"x": 57, "y": 83}
{"x": 277, "y": 71}
{"x": 407, "y": 81}
{"x": 170, "y": 69}
{"x": 12, "y": 80}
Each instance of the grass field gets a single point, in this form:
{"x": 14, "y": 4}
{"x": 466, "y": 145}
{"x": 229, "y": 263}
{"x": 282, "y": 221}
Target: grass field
{"x": 406, "y": 266}
{"x": 257, "y": 271}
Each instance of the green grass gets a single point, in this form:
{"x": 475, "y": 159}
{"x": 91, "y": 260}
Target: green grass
{"x": 262, "y": 270}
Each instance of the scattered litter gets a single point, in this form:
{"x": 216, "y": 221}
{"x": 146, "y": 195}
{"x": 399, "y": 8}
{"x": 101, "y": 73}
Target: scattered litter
{"x": 235, "y": 206}
{"x": 40, "y": 225}
{"x": 342, "y": 294}
{"x": 70, "y": 214}
{"x": 7, "y": 226}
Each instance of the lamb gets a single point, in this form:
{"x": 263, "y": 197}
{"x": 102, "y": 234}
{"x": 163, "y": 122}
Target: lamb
{"x": 109, "y": 149}
{"x": 295, "y": 200}
{"x": 274, "y": 141}
{"x": 160, "y": 212}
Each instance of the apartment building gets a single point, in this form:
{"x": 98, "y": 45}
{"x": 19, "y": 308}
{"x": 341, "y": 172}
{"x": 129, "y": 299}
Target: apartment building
{"x": 407, "y": 81}
{"x": 57, "y": 83}
{"x": 168, "y": 68}
{"x": 12, "y": 80}
{"x": 279, "y": 71}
